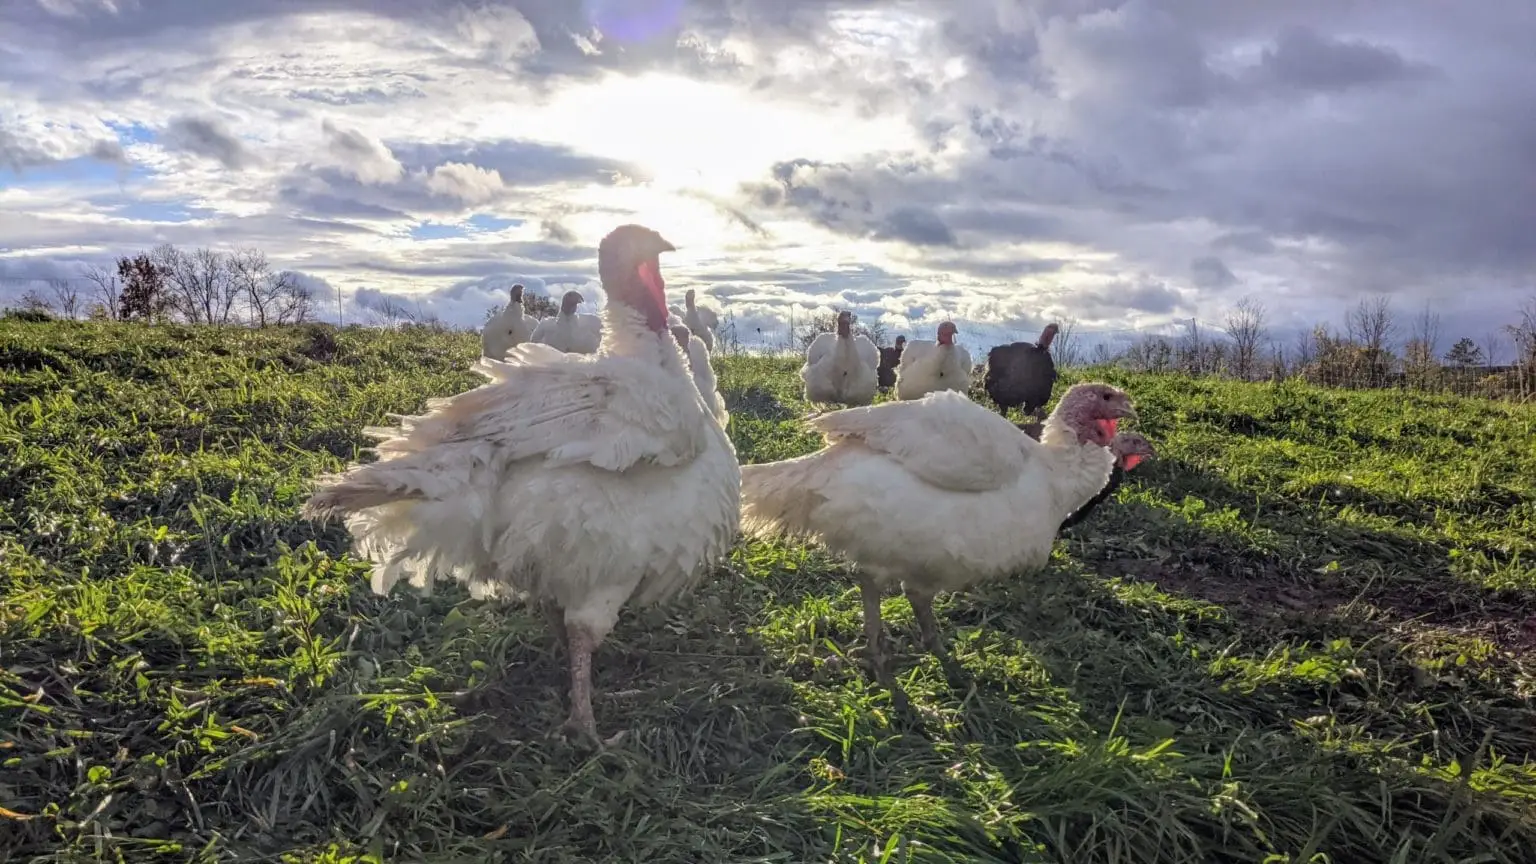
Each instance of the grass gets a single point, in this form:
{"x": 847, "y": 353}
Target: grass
{"x": 1300, "y": 635}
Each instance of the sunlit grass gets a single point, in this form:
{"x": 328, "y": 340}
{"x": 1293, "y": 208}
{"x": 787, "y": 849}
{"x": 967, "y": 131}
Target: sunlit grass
{"x": 1298, "y": 635}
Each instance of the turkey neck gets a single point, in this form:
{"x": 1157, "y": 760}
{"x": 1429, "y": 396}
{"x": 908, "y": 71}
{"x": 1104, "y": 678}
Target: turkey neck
{"x": 626, "y": 334}
{"x": 846, "y": 348}
{"x": 1078, "y": 472}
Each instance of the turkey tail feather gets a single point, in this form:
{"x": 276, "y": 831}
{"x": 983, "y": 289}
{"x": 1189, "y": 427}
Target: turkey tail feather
{"x": 780, "y": 497}
{"x": 356, "y": 493}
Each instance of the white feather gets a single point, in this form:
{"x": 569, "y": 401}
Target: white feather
{"x": 926, "y": 367}
{"x": 938, "y": 493}
{"x": 509, "y": 327}
{"x": 577, "y": 333}
{"x": 704, "y": 379}
{"x": 841, "y": 369}
{"x": 590, "y": 480}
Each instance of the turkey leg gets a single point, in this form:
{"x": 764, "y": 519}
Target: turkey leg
{"x": 874, "y": 640}
{"x": 582, "y": 724}
{"x": 927, "y": 625}
{"x": 928, "y": 630}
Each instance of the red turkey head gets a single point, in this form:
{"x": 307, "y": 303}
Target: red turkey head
{"x": 947, "y": 333}
{"x": 1047, "y": 336}
{"x": 681, "y": 334}
{"x": 845, "y": 323}
{"x": 569, "y": 302}
{"x": 1130, "y": 449}
{"x": 1093, "y": 411}
{"x": 629, "y": 265}
{"x": 517, "y": 294}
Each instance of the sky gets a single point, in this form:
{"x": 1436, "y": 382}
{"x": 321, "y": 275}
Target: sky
{"x": 1000, "y": 163}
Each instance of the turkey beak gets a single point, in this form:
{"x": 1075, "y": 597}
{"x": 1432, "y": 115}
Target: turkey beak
{"x": 662, "y": 245}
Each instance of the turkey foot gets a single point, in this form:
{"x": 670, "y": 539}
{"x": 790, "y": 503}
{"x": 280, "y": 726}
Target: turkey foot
{"x": 874, "y": 645}
{"x": 581, "y": 726}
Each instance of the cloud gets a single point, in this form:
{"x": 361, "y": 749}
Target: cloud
{"x": 1208, "y": 271}
{"x": 468, "y": 183}
{"x": 207, "y": 137}
{"x": 366, "y": 159}
{"x": 1129, "y": 163}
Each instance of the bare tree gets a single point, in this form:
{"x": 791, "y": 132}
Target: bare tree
{"x": 1246, "y": 326}
{"x": 270, "y": 297}
{"x": 1426, "y": 330}
{"x": 1067, "y": 348}
{"x": 34, "y": 301}
{"x": 65, "y": 297}
{"x": 1278, "y": 368}
{"x": 1523, "y": 332}
{"x": 1493, "y": 347}
{"x": 109, "y": 288}
{"x": 1306, "y": 347}
{"x": 826, "y": 322}
{"x": 201, "y": 283}
{"x": 294, "y": 299}
{"x": 1370, "y": 324}
{"x": 1192, "y": 348}
{"x": 388, "y": 312}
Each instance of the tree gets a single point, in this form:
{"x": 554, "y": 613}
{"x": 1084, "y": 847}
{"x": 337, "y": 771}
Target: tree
{"x": 826, "y": 322}
{"x": 1245, "y": 325}
{"x": 1066, "y": 348}
{"x": 270, "y": 297}
{"x": 108, "y": 289}
{"x": 144, "y": 295}
{"x": 535, "y": 305}
{"x": 65, "y": 297}
{"x": 201, "y": 282}
{"x": 1421, "y": 351}
{"x": 1464, "y": 354}
{"x": 1370, "y": 325}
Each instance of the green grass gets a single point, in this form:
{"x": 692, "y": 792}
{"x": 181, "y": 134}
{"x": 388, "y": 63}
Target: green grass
{"x": 1300, "y": 635}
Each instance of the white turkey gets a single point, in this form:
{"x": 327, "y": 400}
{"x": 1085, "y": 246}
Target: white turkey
{"x": 840, "y": 367}
{"x": 509, "y": 327}
{"x": 578, "y": 482}
{"x": 570, "y": 331}
{"x": 700, "y": 320}
{"x": 927, "y": 366}
{"x": 703, "y": 375}
{"x": 937, "y": 494}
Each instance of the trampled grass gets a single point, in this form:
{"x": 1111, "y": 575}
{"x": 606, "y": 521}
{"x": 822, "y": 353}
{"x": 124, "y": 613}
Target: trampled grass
{"x": 1298, "y": 635}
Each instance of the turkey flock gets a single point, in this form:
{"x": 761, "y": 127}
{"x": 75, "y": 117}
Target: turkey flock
{"x": 592, "y": 471}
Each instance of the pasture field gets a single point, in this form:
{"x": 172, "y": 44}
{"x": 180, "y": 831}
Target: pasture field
{"x": 1302, "y": 634}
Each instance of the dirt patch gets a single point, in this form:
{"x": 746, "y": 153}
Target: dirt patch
{"x": 1509, "y": 624}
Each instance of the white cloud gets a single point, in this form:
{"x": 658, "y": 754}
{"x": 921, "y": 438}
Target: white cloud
{"x": 468, "y": 183}
{"x": 1128, "y": 162}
